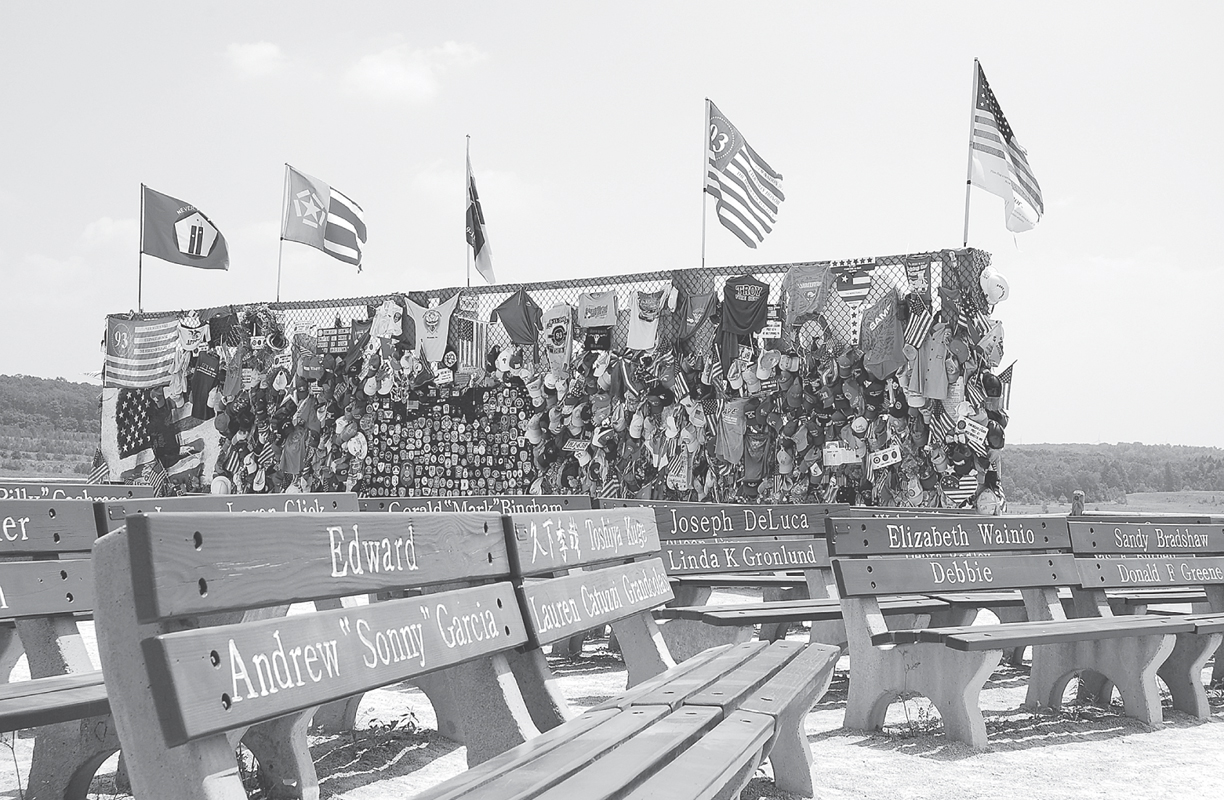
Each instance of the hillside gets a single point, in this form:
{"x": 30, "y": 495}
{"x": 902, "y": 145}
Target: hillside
{"x": 1107, "y": 473}
{"x": 48, "y": 427}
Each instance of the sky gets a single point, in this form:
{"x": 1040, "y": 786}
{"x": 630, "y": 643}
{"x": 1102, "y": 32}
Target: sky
{"x": 587, "y": 141}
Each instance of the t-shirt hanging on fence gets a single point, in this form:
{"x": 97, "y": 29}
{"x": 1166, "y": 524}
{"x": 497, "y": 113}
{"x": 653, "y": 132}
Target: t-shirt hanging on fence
{"x": 559, "y": 335}
{"x": 645, "y": 308}
{"x": 744, "y": 308}
{"x": 805, "y": 287}
{"x": 432, "y": 327}
{"x": 597, "y": 309}
{"x": 521, "y": 317}
{"x": 203, "y": 379}
{"x": 698, "y": 320}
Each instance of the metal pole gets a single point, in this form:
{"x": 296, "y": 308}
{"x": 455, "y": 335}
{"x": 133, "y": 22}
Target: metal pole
{"x": 280, "y": 244}
{"x": 969, "y": 168}
{"x": 705, "y": 165}
{"x": 467, "y": 193}
{"x": 139, "y": 257}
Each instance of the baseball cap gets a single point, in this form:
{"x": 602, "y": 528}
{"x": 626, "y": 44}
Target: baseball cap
{"x": 767, "y": 363}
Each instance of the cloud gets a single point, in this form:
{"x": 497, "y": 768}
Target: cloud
{"x": 403, "y": 74}
{"x": 107, "y": 232}
{"x": 256, "y": 59}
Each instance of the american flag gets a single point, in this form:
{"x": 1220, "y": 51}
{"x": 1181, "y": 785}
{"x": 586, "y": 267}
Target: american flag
{"x": 747, "y": 189}
{"x": 920, "y": 322}
{"x": 941, "y": 424}
{"x": 154, "y": 475}
{"x": 132, "y": 423}
{"x": 1005, "y": 377}
{"x": 959, "y": 490}
{"x": 1000, "y": 164}
{"x": 139, "y": 353}
{"x": 100, "y": 473}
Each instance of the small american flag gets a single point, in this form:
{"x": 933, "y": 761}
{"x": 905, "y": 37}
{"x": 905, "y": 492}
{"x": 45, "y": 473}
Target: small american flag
{"x": 974, "y": 391}
{"x": 139, "y": 353}
{"x": 746, "y": 187}
{"x": 1005, "y": 377}
{"x": 920, "y": 322}
{"x": 612, "y": 487}
{"x": 100, "y": 472}
{"x": 999, "y": 164}
{"x": 958, "y": 491}
{"x": 941, "y": 424}
{"x": 154, "y": 475}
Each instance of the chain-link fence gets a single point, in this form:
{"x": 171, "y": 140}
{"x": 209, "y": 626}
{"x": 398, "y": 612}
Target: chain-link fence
{"x": 450, "y": 459}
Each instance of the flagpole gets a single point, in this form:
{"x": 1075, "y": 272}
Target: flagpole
{"x": 969, "y": 168}
{"x": 140, "y": 258}
{"x": 467, "y": 190}
{"x": 280, "y": 244}
{"x": 705, "y": 166}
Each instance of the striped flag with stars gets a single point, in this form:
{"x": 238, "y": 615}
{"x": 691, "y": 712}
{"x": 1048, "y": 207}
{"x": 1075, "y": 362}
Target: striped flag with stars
{"x": 998, "y": 163}
{"x": 1005, "y": 378}
{"x": 746, "y": 187}
{"x": 919, "y": 325}
{"x": 139, "y": 353}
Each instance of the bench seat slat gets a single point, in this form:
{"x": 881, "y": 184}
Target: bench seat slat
{"x": 731, "y": 689}
{"x": 631, "y": 696}
{"x": 793, "y": 611}
{"x": 705, "y": 768}
{"x": 638, "y": 758}
{"x": 1017, "y": 634}
{"x": 807, "y": 668}
{"x": 44, "y": 701}
{"x": 537, "y": 772}
{"x": 525, "y": 753}
{"x": 677, "y": 691}
{"x": 264, "y": 669}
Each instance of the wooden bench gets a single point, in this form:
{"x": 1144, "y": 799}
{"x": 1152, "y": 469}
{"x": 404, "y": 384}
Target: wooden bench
{"x": 160, "y": 575}
{"x": 36, "y": 490}
{"x": 682, "y": 730}
{"x": 46, "y": 584}
{"x": 949, "y": 665}
{"x": 1157, "y": 562}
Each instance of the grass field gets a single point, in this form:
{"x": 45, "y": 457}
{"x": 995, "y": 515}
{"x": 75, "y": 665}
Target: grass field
{"x": 1208, "y": 503}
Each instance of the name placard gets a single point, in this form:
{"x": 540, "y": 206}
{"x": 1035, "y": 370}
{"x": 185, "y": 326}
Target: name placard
{"x": 46, "y": 526}
{"x": 546, "y": 543}
{"x": 562, "y": 607}
{"x": 932, "y": 534}
{"x": 957, "y": 574}
{"x": 317, "y": 503}
{"x": 235, "y": 675}
{"x": 201, "y": 563}
{"x": 1101, "y": 537}
{"x": 708, "y": 520}
{"x": 1115, "y": 573}
{"x": 22, "y": 490}
{"x": 716, "y": 556}
{"x": 334, "y": 340}
{"x": 39, "y": 588}
{"x": 504, "y": 504}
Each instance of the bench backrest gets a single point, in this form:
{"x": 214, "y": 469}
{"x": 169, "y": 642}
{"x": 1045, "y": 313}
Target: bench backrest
{"x": 44, "y": 557}
{"x": 111, "y": 514}
{"x": 611, "y": 555}
{"x": 212, "y": 679}
{"x": 33, "y": 490}
{"x": 925, "y": 554}
{"x": 499, "y": 504}
{"x": 710, "y": 539}
{"x": 1130, "y": 554}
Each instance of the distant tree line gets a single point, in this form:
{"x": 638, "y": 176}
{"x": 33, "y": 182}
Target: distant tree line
{"x": 1107, "y": 472}
{"x": 39, "y": 405}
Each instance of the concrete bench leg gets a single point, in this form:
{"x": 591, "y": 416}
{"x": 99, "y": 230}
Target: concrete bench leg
{"x": 1007, "y": 614}
{"x": 686, "y": 638}
{"x": 66, "y": 755}
{"x": 439, "y": 687}
{"x": 788, "y": 752}
{"x": 1182, "y": 672}
{"x": 538, "y": 685}
{"x": 643, "y": 648}
{"x": 284, "y": 757}
{"x": 493, "y": 715}
{"x": 1130, "y": 663}
{"x": 10, "y": 650}
{"x": 951, "y": 679}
